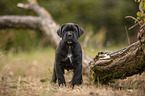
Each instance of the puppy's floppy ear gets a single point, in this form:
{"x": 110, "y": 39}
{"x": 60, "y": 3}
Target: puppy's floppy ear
{"x": 80, "y": 31}
{"x": 59, "y": 31}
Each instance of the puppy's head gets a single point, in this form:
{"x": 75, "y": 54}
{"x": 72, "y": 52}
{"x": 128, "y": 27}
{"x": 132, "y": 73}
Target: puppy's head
{"x": 70, "y": 32}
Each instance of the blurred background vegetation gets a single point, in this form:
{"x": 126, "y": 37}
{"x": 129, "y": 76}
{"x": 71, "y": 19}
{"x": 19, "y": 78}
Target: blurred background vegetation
{"x": 104, "y": 18}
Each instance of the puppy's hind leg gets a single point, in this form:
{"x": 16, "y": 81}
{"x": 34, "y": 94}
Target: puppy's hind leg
{"x": 54, "y": 78}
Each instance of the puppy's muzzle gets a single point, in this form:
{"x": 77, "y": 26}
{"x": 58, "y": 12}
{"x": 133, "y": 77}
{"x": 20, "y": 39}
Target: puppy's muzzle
{"x": 69, "y": 35}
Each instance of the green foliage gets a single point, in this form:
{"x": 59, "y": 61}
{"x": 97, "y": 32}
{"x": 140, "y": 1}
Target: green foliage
{"x": 140, "y": 14}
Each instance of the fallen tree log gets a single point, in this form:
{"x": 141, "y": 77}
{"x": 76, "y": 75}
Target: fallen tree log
{"x": 109, "y": 65}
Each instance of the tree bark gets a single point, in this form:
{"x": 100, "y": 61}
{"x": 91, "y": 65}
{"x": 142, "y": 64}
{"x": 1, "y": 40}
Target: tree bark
{"x": 30, "y": 22}
{"x": 108, "y": 65}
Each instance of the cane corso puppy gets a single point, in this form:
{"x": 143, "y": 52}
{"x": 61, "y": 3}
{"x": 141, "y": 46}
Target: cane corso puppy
{"x": 68, "y": 54}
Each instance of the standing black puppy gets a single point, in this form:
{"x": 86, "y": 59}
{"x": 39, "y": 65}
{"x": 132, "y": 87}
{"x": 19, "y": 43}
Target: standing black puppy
{"x": 68, "y": 54}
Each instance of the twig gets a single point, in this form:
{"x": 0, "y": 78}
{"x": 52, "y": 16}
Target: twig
{"x": 25, "y": 6}
{"x": 133, "y": 26}
{"x": 127, "y": 35}
{"x": 132, "y": 18}
{"x": 135, "y": 20}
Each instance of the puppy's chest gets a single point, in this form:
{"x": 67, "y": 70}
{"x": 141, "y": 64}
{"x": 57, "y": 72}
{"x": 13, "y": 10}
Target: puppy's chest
{"x": 68, "y": 59}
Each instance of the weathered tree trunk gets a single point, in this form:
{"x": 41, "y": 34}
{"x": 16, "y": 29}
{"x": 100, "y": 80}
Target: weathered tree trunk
{"x": 108, "y": 65}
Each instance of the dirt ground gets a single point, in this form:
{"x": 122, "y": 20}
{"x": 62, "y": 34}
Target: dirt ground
{"x": 29, "y": 74}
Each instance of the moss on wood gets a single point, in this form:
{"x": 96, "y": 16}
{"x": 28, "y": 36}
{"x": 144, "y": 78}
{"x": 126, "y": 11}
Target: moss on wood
{"x": 131, "y": 63}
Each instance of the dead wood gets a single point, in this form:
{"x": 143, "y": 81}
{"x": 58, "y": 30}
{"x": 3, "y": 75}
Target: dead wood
{"x": 109, "y": 65}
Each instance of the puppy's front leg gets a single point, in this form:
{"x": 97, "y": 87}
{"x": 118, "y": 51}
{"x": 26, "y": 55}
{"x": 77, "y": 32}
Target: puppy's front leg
{"x": 77, "y": 78}
{"x": 59, "y": 74}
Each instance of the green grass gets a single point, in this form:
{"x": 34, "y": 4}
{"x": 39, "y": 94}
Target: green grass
{"x": 21, "y": 75}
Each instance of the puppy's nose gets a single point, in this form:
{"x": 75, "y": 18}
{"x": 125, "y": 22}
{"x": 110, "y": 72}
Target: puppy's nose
{"x": 69, "y": 35}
